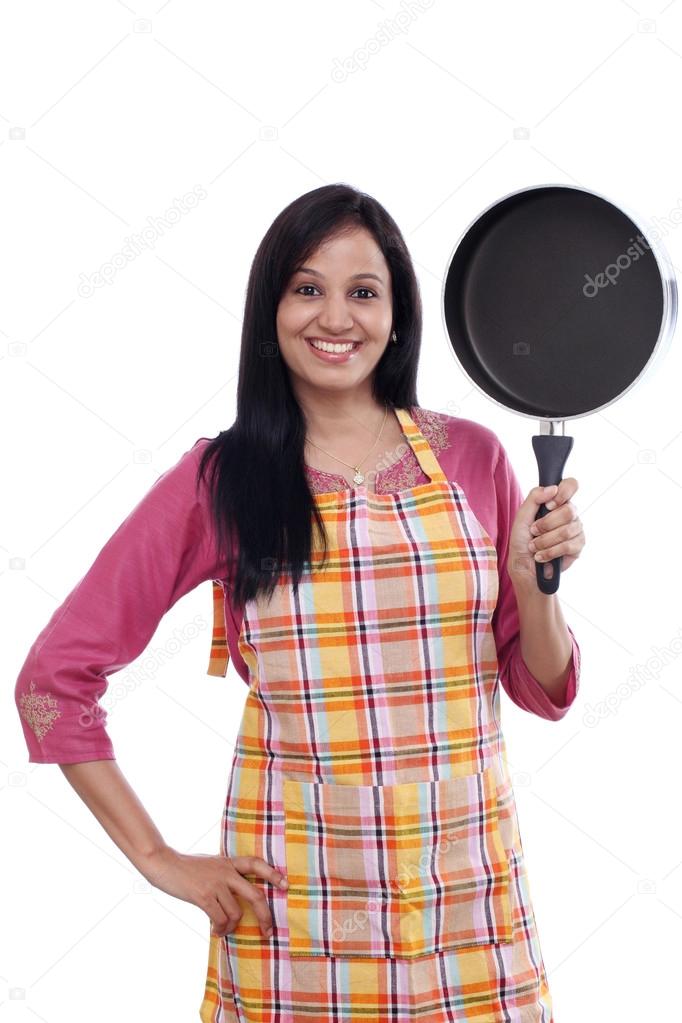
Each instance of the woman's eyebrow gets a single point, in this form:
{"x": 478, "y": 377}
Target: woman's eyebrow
{"x": 353, "y": 277}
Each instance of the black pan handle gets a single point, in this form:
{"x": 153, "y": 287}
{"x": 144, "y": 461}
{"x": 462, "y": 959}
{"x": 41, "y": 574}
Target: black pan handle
{"x": 551, "y": 451}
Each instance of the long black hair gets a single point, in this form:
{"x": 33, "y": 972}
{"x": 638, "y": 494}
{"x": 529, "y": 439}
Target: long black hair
{"x": 262, "y": 504}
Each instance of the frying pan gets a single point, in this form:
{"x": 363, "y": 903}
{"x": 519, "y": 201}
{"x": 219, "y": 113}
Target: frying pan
{"x": 555, "y": 302}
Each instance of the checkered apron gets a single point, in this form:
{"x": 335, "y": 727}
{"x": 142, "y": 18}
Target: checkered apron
{"x": 370, "y": 767}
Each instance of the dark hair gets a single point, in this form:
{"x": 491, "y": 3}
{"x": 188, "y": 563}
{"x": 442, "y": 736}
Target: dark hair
{"x": 260, "y": 495}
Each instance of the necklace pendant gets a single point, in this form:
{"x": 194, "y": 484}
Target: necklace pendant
{"x": 358, "y": 478}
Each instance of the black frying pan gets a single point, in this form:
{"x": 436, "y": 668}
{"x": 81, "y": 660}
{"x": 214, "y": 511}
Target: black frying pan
{"x": 555, "y": 302}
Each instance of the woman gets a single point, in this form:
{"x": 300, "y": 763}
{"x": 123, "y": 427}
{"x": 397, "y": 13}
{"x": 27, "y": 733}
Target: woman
{"x": 373, "y": 566}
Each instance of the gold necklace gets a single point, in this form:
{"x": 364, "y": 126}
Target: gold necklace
{"x": 358, "y": 477}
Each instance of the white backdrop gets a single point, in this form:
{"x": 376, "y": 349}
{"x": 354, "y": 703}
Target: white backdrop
{"x": 111, "y": 114}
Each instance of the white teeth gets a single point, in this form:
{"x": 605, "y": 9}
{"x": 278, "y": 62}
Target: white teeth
{"x": 324, "y": 346}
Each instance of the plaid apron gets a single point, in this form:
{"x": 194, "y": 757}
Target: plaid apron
{"x": 370, "y": 767}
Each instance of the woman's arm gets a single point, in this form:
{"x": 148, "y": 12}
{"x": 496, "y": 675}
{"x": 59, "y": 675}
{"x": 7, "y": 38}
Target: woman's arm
{"x": 105, "y": 791}
{"x": 539, "y": 656}
{"x": 162, "y": 550}
{"x": 213, "y": 883}
{"x": 545, "y": 641}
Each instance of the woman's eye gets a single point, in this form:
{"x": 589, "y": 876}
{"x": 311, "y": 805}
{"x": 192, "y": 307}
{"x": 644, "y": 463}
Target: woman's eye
{"x": 300, "y": 289}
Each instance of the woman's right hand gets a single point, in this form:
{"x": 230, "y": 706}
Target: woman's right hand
{"x": 213, "y": 883}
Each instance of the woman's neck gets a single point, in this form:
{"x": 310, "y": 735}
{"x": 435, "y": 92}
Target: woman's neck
{"x": 344, "y": 424}
{"x": 365, "y": 450}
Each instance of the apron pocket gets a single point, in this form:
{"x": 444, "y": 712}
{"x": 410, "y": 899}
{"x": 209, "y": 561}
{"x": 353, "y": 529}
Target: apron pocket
{"x": 395, "y": 870}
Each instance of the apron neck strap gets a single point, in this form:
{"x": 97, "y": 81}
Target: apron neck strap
{"x": 421, "y": 447}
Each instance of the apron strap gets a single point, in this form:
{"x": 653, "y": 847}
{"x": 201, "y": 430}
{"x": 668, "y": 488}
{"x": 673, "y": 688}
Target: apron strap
{"x": 219, "y": 656}
{"x": 425, "y": 455}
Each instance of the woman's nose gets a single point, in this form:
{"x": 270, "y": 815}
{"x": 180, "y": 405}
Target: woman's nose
{"x": 335, "y": 316}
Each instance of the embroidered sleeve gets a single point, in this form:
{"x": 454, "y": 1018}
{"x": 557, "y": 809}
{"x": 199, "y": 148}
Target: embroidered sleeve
{"x": 518, "y": 681}
{"x": 162, "y": 550}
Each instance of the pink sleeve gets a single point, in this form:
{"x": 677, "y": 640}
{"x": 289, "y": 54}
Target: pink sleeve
{"x": 520, "y": 685}
{"x": 162, "y": 550}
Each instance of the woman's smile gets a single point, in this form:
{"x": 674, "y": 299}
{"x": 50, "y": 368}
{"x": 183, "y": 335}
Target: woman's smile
{"x": 336, "y": 351}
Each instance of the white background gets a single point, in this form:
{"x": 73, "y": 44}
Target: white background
{"x": 105, "y": 120}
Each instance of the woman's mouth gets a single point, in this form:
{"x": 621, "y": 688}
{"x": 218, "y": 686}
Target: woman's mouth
{"x": 340, "y": 351}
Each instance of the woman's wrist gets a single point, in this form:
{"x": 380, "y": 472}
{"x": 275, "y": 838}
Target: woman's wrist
{"x": 545, "y": 642}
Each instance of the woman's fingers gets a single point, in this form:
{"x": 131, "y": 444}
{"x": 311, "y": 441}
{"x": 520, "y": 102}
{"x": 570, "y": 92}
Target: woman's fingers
{"x": 566, "y": 539}
{"x": 552, "y": 520}
{"x": 225, "y": 913}
{"x": 237, "y": 885}
{"x": 260, "y": 867}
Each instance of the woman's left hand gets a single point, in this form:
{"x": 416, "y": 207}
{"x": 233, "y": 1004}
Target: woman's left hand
{"x": 557, "y": 534}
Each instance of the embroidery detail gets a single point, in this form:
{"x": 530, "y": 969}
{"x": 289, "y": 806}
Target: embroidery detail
{"x": 39, "y": 712}
{"x": 318, "y": 479}
{"x": 402, "y": 474}
{"x": 434, "y": 426}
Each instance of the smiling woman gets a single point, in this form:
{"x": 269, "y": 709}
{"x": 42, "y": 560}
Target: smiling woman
{"x": 371, "y": 659}
{"x": 370, "y": 764}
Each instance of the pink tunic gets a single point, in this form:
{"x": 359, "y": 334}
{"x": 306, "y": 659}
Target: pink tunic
{"x": 165, "y": 547}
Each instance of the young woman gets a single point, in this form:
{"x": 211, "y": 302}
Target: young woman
{"x": 373, "y": 567}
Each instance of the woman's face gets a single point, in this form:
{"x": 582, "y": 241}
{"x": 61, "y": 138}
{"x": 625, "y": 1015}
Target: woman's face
{"x": 342, "y": 295}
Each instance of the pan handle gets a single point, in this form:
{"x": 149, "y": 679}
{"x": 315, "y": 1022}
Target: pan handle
{"x": 551, "y": 451}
